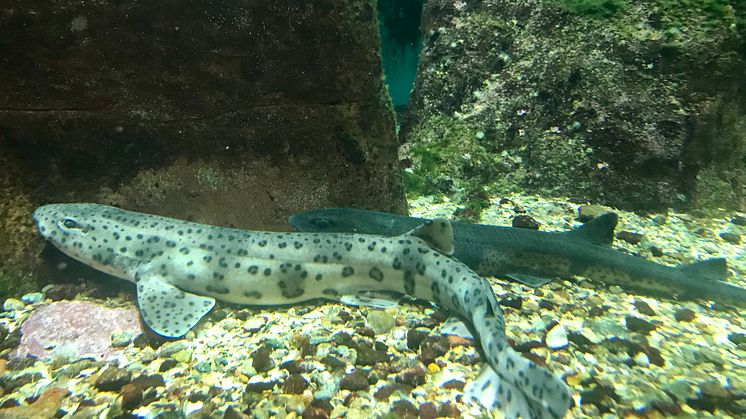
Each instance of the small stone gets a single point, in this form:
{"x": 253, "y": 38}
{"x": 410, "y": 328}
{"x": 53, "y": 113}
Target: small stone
{"x": 147, "y": 354}
{"x": 260, "y": 386}
{"x": 433, "y": 347}
{"x": 312, "y": 412}
{"x": 513, "y": 302}
{"x": 449, "y": 410}
{"x": 636, "y": 324}
{"x": 355, "y": 381}
{"x": 32, "y": 298}
{"x": 412, "y": 376}
{"x": 58, "y": 292}
{"x": 333, "y": 362}
{"x": 232, "y": 413}
{"x": 261, "y": 360}
{"x": 556, "y": 337}
{"x": 294, "y": 384}
{"x": 380, "y": 321}
{"x": 644, "y": 308}
{"x": 732, "y": 238}
{"x": 147, "y": 381}
{"x": 684, "y": 315}
{"x": 170, "y": 348}
{"x": 112, "y": 379}
{"x": 370, "y": 355}
{"x": 454, "y": 384}
{"x": 203, "y": 367}
{"x": 739, "y": 220}
{"x": 167, "y": 365}
{"x": 427, "y": 411}
{"x": 589, "y": 212}
{"x": 13, "y": 304}
{"x": 629, "y": 236}
{"x": 404, "y": 409}
{"x": 131, "y": 396}
{"x": 704, "y": 232}
{"x": 660, "y": 219}
{"x": 525, "y": 221}
{"x": 415, "y": 337}
{"x": 120, "y": 339}
{"x": 737, "y": 338}
{"x": 656, "y": 251}
{"x": 183, "y": 356}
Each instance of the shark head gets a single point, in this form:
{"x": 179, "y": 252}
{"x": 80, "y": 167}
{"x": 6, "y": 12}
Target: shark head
{"x": 87, "y": 233}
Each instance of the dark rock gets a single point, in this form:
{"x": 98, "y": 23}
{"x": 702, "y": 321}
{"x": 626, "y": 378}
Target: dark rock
{"x": 67, "y": 291}
{"x": 148, "y": 381}
{"x": 644, "y": 308}
{"x": 629, "y": 236}
{"x": 344, "y": 316}
{"x": 530, "y": 344}
{"x": 737, "y": 338}
{"x": 448, "y": 410}
{"x": 10, "y": 384}
{"x": 312, "y": 412}
{"x": 260, "y": 386}
{"x": 660, "y": 219}
{"x": 732, "y": 238}
{"x": 412, "y": 376}
{"x": 427, "y": 411}
{"x": 704, "y": 232}
{"x": 296, "y": 366}
{"x": 385, "y": 391}
{"x": 738, "y": 220}
{"x": 684, "y": 315}
{"x": 668, "y": 408}
{"x": 596, "y": 311}
{"x": 433, "y": 347}
{"x": 415, "y": 338}
{"x": 218, "y": 315}
{"x": 656, "y": 251}
{"x": 232, "y": 413}
{"x": 333, "y": 362}
{"x": 546, "y": 304}
{"x": 454, "y": 384}
{"x": 525, "y": 221}
{"x": 295, "y": 384}
{"x": 355, "y": 381}
{"x": 404, "y": 409}
{"x": 365, "y": 331}
{"x": 368, "y": 355}
{"x": 639, "y": 325}
{"x": 597, "y": 395}
{"x": 512, "y": 302}
{"x": 11, "y": 339}
{"x": 261, "y": 360}
{"x": 579, "y": 339}
{"x": 112, "y": 378}
{"x": 131, "y": 396}
{"x": 343, "y": 338}
{"x": 167, "y": 364}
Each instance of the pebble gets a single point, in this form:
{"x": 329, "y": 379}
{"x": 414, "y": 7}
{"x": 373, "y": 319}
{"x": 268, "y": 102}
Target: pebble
{"x": 644, "y": 308}
{"x": 556, "y": 337}
{"x": 415, "y": 337}
{"x": 131, "y": 396}
{"x": 448, "y": 410}
{"x": 380, "y": 321}
{"x": 295, "y": 384}
{"x": 412, "y": 376}
{"x": 148, "y": 381}
{"x": 112, "y": 379}
{"x": 525, "y": 221}
{"x": 656, "y": 251}
{"x": 660, "y": 220}
{"x": 120, "y": 339}
{"x": 167, "y": 365}
{"x": 427, "y": 411}
{"x": 13, "y": 304}
{"x": 355, "y": 381}
{"x": 684, "y": 315}
{"x": 433, "y": 347}
{"x": 404, "y": 409}
{"x": 32, "y": 298}
{"x": 636, "y": 324}
{"x": 170, "y": 348}
{"x": 629, "y": 236}
{"x": 203, "y": 367}
{"x": 732, "y": 238}
{"x": 312, "y": 412}
{"x": 641, "y": 359}
{"x": 737, "y": 338}
{"x": 589, "y": 212}
{"x": 738, "y": 220}
{"x": 261, "y": 360}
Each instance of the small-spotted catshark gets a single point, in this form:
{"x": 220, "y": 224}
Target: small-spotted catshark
{"x": 180, "y": 268}
{"x": 533, "y": 257}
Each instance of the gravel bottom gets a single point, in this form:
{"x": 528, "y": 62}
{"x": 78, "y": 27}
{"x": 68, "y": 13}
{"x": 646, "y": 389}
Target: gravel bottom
{"x": 621, "y": 353}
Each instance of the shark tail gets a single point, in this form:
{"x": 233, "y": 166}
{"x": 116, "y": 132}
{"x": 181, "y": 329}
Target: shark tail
{"x": 521, "y": 389}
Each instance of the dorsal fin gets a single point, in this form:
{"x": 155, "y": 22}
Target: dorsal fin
{"x": 715, "y": 269}
{"x": 599, "y": 230}
{"x": 437, "y": 233}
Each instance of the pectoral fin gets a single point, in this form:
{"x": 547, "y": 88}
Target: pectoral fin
{"x": 167, "y": 310}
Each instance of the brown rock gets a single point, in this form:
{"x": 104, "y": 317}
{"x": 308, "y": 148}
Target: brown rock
{"x": 131, "y": 396}
{"x": 355, "y": 381}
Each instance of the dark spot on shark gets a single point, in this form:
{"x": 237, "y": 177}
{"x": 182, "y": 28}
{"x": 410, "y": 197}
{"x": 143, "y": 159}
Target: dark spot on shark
{"x": 252, "y": 294}
{"x": 347, "y": 271}
{"x": 253, "y": 269}
{"x": 330, "y": 292}
{"x": 267, "y": 272}
{"x": 218, "y": 290}
{"x": 376, "y": 274}
{"x": 262, "y": 243}
{"x": 409, "y": 282}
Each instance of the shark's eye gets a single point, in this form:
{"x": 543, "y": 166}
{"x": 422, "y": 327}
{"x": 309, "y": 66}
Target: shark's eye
{"x": 70, "y": 223}
{"x": 323, "y": 223}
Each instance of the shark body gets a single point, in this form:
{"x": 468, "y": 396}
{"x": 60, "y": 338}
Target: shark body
{"x": 534, "y": 257}
{"x": 180, "y": 268}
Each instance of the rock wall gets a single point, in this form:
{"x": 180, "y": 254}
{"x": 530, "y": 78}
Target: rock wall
{"x": 639, "y": 105}
{"x": 236, "y": 114}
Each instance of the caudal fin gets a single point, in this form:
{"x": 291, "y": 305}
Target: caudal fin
{"x": 521, "y": 389}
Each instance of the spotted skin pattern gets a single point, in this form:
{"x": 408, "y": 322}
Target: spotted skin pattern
{"x": 180, "y": 268}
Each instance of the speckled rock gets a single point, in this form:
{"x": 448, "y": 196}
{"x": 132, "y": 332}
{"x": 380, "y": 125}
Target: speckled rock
{"x": 112, "y": 378}
{"x": 355, "y": 381}
{"x": 639, "y": 325}
{"x": 75, "y": 328}
{"x": 730, "y": 237}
